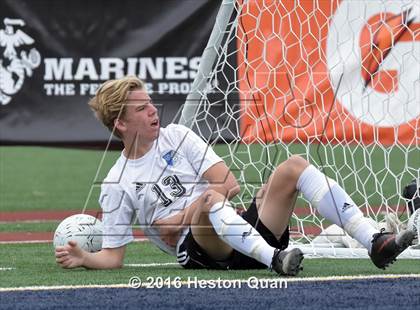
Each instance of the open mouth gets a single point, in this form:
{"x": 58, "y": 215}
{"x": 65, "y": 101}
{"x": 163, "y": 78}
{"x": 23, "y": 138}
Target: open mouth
{"x": 155, "y": 123}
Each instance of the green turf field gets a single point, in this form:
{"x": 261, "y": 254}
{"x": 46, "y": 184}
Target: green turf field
{"x": 36, "y": 178}
{"x": 48, "y": 226}
{"x": 35, "y": 265}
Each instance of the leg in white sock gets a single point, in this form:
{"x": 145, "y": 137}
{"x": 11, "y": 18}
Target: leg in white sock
{"x": 239, "y": 234}
{"x": 333, "y": 203}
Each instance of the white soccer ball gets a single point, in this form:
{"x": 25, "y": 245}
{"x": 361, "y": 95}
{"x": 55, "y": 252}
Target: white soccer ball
{"x": 85, "y": 229}
{"x": 414, "y": 225}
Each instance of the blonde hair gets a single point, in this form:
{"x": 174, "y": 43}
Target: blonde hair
{"x": 110, "y": 98}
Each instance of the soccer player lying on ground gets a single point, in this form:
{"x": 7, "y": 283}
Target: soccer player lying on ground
{"x": 178, "y": 189}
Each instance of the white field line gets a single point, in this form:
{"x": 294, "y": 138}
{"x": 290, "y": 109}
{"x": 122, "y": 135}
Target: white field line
{"x": 25, "y": 241}
{"x": 151, "y": 265}
{"x": 233, "y": 281}
{"x": 126, "y": 265}
{"x": 358, "y": 277}
{"x": 50, "y": 241}
{"x": 6, "y": 268}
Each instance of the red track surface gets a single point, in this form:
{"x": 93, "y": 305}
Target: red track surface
{"x": 18, "y": 237}
{"x": 42, "y": 215}
{"x": 60, "y": 215}
{"x": 10, "y": 217}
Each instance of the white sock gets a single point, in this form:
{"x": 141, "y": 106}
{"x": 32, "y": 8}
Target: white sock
{"x": 239, "y": 234}
{"x": 361, "y": 229}
{"x": 333, "y": 203}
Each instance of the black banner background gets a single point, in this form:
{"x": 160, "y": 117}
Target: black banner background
{"x": 94, "y": 30}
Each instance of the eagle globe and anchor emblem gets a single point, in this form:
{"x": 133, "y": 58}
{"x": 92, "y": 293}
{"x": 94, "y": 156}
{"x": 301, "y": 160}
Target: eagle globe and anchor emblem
{"x": 13, "y": 67}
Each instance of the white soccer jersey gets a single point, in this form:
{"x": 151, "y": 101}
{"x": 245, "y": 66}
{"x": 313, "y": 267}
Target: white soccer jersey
{"x": 167, "y": 179}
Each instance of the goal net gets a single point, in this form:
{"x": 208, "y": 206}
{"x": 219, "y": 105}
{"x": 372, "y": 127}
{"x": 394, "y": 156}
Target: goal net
{"x": 336, "y": 82}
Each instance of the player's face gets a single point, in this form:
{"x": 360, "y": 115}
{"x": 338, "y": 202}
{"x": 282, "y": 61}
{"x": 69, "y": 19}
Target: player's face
{"x": 141, "y": 117}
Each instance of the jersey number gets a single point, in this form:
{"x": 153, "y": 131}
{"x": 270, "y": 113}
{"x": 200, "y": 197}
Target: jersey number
{"x": 175, "y": 184}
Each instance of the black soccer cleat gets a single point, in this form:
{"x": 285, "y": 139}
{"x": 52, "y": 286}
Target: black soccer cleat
{"x": 287, "y": 263}
{"x": 387, "y": 246}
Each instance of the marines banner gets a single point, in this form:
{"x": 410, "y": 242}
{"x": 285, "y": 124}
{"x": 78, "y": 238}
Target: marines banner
{"x": 55, "y": 53}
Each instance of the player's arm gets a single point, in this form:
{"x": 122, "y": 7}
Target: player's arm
{"x": 116, "y": 218}
{"x": 220, "y": 179}
{"x": 72, "y": 256}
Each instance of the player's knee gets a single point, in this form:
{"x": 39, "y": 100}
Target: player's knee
{"x": 295, "y": 165}
{"x": 297, "y": 161}
{"x": 211, "y": 197}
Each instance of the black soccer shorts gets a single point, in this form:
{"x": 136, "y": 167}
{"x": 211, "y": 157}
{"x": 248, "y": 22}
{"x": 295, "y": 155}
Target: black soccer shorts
{"x": 191, "y": 256}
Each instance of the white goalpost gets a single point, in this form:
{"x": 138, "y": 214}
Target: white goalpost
{"x": 336, "y": 82}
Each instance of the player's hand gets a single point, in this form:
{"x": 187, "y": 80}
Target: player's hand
{"x": 70, "y": 255}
